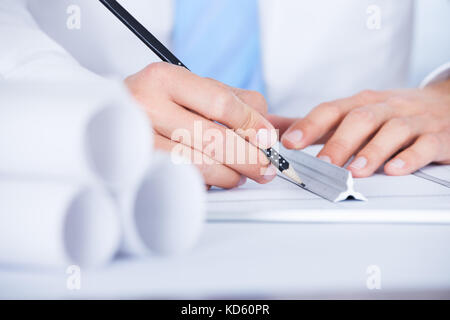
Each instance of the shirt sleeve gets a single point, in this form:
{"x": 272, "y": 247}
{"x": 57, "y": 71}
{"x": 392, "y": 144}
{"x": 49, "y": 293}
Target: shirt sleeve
{"x": 439, "y": 75}
{"x": 27, "y": 53}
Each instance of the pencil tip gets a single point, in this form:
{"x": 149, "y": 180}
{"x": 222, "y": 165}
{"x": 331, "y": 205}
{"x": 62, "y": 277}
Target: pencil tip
{"x": 290, "y": 173}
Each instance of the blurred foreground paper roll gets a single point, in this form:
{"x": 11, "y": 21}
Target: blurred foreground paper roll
{"x": 165, "y": 213}
{"x": 53, "y": 224}
{"x": 88, "y": 132}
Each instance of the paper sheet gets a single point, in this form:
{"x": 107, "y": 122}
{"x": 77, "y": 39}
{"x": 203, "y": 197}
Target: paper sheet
{"x": 283, "y": 201}
{"x": 403, "y": 199}
{"x": 436, "y": 173}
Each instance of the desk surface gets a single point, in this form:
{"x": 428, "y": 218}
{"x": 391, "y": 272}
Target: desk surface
{"x": 281, "y": 260}
{"x": 259, "y": 260}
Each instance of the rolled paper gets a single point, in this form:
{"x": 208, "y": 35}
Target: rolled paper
{"x": 52, "y": 224}
{"x": 90, "y": 132}
{"x": 165, "y": 212}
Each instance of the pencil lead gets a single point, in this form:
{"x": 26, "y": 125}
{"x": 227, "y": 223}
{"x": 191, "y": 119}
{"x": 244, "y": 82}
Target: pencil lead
{"x": 292, "y": 174}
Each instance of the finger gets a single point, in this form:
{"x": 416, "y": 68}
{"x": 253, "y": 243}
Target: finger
{"x": 253, "y": 98}
{"x": 213, "y": 172}
{"x": 394, "y": 135}
{"x": 280, "y": 123}
{"x": 354, "y": 130}
{"x": 218, "y": 103}
{"x": 326, "y": 117}
{"x": 324, "y": 139}
{"x": 432, "y": 147}
{"x": 217, "y": 142}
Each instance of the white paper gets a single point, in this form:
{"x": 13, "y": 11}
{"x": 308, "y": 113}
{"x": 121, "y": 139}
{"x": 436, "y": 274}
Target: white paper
{"x": 436, "y": 173}
{"x": 165, "y": 212}
{"x": 401, "y": 199}
{"x": 88, "y": 132}
{"x": 283, "y": 201}
{"x": 53, "y": 224}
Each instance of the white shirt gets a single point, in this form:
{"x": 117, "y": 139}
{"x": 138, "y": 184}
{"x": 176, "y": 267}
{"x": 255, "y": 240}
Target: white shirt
{"x": 313, "y": 51}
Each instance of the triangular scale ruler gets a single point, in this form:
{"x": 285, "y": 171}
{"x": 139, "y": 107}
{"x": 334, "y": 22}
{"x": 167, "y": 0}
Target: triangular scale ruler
{"x": 322, "y": 178}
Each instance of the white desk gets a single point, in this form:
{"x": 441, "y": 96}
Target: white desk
{"x": 251, "y": 260}
{"x": 280, "y": 260}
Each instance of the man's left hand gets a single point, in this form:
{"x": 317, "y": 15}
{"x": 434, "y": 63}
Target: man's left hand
{"x": 408, "y": 128}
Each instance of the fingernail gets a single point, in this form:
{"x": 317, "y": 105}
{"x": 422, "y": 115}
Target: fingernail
{"x": 266, "y": 138}
{"x": 359, "y": 163}
{"x": 397, "y": 163}
{"x": 270, "y": 173}
{"x": 242, "y": 181}
{"x": 294, "y": 137}
{"x": 325, "y": 158}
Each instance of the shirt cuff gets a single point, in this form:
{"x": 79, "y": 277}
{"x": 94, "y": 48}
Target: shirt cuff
{"x": 439, "y": 75}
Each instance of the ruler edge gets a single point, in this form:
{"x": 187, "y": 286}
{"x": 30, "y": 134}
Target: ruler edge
{"x": 343, "y": 195}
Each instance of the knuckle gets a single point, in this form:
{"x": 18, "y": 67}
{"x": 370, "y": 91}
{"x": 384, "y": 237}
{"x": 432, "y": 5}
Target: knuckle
{"x": 249, "y": 119}
{"x": 436, "y": 124}
{"x": 432, "y": 140}
{"x": 221, "y": 103}
{"x": 337, "y": 144}
{"x": 307, "y": 124}
{"x": 412, "y": 155}
{"x": 216, "y": 83}
{"x": 329, "y": 108}
{"x": 362, "y": 114}
{"x": 398, "y": 101}
{"x": 260, "y": 101}
{"x": 367, "y": 95}
{"x": 156, "y": 70}
{"x": 373, "y": 151}
{"x": 400, "y": 125}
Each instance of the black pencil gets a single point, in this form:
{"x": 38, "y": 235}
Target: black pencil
{"x": 165, "y": 55}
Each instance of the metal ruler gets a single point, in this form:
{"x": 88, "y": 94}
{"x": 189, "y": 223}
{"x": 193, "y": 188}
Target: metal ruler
{"x": 322, "y": 178}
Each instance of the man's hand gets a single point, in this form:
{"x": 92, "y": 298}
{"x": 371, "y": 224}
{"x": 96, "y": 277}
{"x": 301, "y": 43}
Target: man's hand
{"x": 412, "y": 126}
{"x": 176, "y": 99}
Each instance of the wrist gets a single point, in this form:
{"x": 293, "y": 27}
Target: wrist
{"x": 442, "y": 87}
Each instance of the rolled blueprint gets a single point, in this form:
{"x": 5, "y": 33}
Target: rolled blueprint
{"x": 90, "y": 132}
{"x": 165, "y": 212}
{"x": 52, "y": 224}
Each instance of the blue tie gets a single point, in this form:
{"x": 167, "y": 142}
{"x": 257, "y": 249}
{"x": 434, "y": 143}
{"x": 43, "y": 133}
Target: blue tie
{"x": 220, "y": 39}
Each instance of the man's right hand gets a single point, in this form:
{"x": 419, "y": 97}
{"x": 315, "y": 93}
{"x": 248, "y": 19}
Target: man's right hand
{"x": 177, "y": 100}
